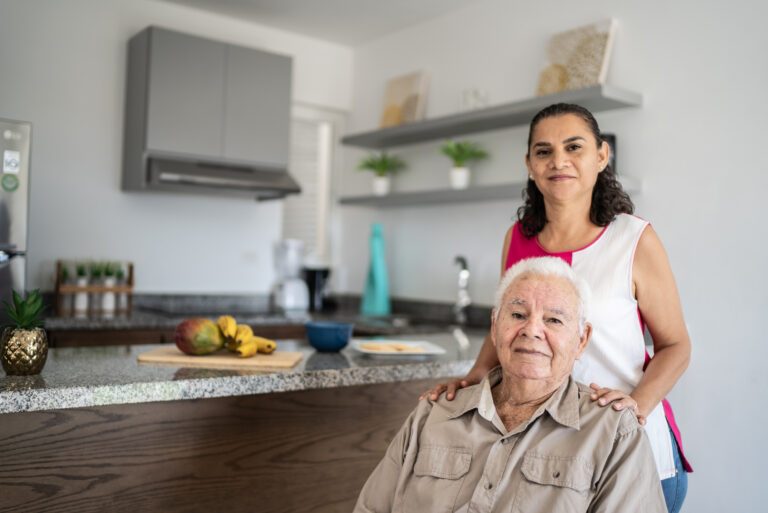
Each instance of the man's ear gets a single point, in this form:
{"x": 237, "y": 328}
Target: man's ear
{"x": 493, "y": 326}
{"x": 584, "y": 339}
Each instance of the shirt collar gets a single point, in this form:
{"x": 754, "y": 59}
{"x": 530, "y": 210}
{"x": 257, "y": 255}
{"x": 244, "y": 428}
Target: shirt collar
{"x": 563, "y": 406}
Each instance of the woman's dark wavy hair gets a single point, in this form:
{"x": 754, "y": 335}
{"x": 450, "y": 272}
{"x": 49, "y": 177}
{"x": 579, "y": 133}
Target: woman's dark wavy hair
{"x": 608, "y": 198}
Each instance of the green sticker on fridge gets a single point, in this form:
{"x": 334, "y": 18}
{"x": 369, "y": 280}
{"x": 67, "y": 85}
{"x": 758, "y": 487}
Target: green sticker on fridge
{"x": 9, "y": 182}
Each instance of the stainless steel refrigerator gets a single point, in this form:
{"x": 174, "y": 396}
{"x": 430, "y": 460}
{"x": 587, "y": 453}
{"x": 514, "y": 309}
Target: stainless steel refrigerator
{"x": 14, "y": 200}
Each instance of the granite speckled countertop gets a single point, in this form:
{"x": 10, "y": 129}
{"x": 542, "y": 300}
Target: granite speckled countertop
{"x": 95, "y": 376}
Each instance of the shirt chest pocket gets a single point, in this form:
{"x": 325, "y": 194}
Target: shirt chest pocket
{"x": 438, "y": 475}
{"x": 553, "y": 483}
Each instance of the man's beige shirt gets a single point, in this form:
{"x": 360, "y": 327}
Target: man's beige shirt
{"x": 572, "y": 455}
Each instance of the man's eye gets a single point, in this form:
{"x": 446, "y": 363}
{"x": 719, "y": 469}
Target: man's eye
{"x": 554, "y": 320}
{"x": 517, "y": 315}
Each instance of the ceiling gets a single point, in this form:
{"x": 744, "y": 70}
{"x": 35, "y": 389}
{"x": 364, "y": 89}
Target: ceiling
{"x": 347, "y": 22}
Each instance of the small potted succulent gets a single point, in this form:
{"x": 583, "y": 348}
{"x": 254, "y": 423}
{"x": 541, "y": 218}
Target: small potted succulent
{"x": 460, "y": 153}
{"x": 121, "y": 303}
{"x": 97, "y": 272}
{"x": 80, "y": 303}
{"x": 64, "y": 307}
{"x": 24, "y": 345}
{"x": 108, "y": 299}
{"x": 383, "y": 167}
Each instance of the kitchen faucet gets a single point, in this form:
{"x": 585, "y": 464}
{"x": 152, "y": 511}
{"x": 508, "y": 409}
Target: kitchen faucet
{"x": 462, "y": 300}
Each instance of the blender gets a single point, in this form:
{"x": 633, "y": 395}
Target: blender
{"x": 291, "y": 293}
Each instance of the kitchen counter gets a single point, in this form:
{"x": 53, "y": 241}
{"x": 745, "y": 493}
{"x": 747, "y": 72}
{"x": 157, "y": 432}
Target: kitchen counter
{"x": 97, "y": 431}
{"x": 77, "y": 377}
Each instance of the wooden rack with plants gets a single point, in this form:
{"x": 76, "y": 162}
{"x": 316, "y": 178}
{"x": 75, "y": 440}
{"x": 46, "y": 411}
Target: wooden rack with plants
{"x": 64, "y": 289}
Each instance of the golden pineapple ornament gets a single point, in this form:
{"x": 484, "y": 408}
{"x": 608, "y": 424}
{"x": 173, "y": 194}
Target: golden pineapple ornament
{"x": 24, "y": 346}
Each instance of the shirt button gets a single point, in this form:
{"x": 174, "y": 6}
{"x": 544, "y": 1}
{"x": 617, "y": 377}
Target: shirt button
{"x": 488, "y": 486}
{"x": 556, "y": 474}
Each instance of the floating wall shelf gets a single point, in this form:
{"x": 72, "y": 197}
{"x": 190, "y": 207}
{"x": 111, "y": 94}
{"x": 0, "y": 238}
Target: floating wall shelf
{"x": 497, "y": 192}
{"x": 597, "y": 98}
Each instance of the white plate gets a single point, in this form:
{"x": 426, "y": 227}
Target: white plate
{"x": 422, "y": 347}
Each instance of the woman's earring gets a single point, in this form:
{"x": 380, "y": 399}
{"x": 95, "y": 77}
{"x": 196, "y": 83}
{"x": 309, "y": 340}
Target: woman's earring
{"x": 530, "y": 177}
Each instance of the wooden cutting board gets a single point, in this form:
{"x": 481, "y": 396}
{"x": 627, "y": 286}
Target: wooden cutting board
{"x": 171, "y": 355}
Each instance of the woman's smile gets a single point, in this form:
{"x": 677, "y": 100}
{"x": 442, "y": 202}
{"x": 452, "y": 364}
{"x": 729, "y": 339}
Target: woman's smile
{"x": 560, "y": 178}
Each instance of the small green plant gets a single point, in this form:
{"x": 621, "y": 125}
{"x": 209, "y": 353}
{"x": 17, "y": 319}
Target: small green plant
{"x": 382, "y": 164}
{"x": 461, "y": 152}
{"x": 110, "y": 269}
{"x": 97, "y": 270}
{"x": 25, "y": 314}
{"x": 81, "y": 270}
{"x": 64, "y": 274}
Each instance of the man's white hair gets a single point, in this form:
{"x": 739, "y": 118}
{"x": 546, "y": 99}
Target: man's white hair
{"x": 545, "y": 266}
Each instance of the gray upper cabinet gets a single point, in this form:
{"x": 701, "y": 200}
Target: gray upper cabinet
{"x": 186, "y": 89}
{"x": 206, "y": 117}
{"x": 258, "y": 94}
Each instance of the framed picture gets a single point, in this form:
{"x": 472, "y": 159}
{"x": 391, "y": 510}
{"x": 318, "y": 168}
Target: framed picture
{"x": 404, "y": 99}
{"x": 578, "y": 58}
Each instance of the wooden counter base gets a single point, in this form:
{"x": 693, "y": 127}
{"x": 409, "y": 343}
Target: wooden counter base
{"x": 308, "y": 451}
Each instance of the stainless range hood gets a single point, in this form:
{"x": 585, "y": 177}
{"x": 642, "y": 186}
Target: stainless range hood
{"x": 175, "y": 175}
{"x": 206, "y": 117}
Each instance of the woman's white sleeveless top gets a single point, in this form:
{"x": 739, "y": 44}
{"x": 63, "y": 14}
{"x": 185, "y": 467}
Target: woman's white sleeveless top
{"x": 616, "y": 352}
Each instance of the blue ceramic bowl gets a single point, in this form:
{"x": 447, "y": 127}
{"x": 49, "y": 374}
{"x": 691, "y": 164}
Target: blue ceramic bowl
{"x": 328, "y": 337}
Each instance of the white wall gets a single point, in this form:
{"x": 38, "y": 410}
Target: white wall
{"x": 697, "y": 144}
{"x": 63, "y": 68}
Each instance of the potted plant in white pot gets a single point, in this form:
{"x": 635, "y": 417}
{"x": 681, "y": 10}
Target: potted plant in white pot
{"x": 80, "y": 303}
{"x": 383, "y": 167}
{"x": 108, "y": 297}
{"x": 64, "y": 306}
{"x": 97, "y": 274}
{"x": 460, "y": 153}
{"x": 121, "y": 299}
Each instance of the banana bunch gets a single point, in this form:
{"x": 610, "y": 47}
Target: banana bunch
{"x": 241, "y": 340}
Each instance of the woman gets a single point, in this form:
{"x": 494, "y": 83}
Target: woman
{"x": 576, "y": 209}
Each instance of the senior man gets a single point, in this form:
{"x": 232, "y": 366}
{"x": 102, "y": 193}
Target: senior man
{"x": 527, "y": 438}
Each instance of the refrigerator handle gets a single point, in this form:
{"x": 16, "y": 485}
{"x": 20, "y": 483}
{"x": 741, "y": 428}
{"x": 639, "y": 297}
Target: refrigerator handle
{"x": 7, "y": 254}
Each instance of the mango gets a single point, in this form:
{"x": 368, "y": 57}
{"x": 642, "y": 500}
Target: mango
{"x": 198, "y": 336}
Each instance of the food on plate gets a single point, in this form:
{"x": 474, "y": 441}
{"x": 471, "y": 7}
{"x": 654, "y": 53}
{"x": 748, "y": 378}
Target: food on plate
{"x": 198, "y": 336}
{"x": 391, "y": 347}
